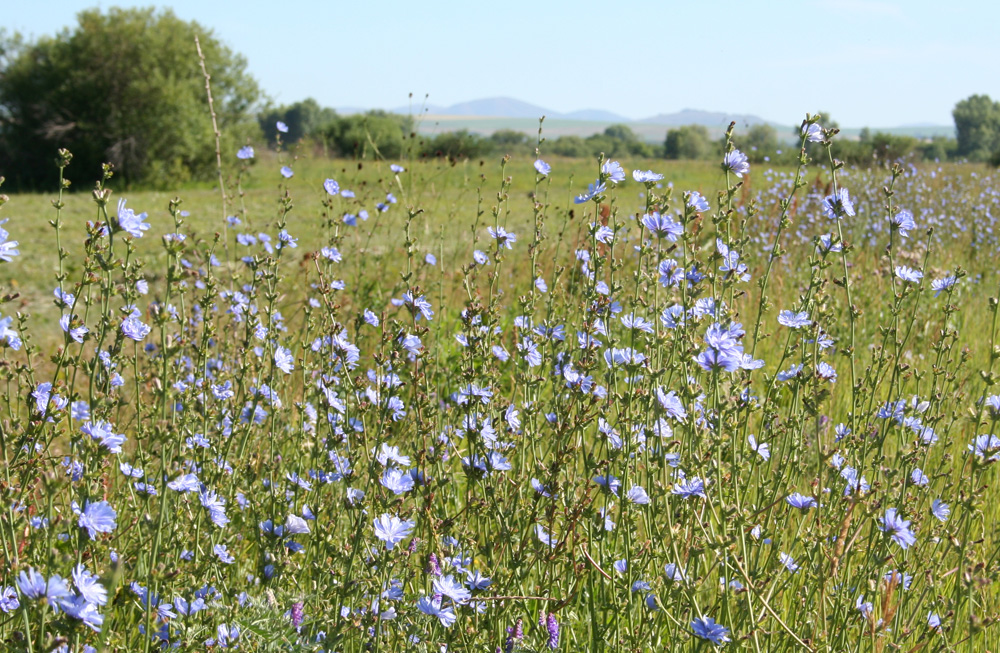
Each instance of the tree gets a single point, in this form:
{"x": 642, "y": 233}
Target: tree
{"x": 304, "y": 119}
{"x": 372, "y": 134}
{"x": 759, "y": 142}
{"x": 511, "y": 139}
{"x": 123, "y": 87}
{"x": 977, "y": 126}
{"x": 457, "y": 145}
{"x": 571, "y": 146}
{"x": 688, "y": 142}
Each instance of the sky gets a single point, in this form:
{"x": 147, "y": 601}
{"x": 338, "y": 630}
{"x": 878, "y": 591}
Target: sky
{"x": 875, "y": 63}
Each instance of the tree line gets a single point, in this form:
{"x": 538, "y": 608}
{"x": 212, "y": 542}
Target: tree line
{"x": 125, "y": 86}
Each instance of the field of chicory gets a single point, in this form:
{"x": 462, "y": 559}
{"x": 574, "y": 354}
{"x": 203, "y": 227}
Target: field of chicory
{"x": 755, "y": 416}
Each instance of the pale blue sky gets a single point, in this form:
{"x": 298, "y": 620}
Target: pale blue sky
{"x": 875, "y": 63}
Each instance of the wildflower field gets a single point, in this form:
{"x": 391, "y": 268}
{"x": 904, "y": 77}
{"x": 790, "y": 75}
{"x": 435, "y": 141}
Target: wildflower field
{"x": 509, "y": 405}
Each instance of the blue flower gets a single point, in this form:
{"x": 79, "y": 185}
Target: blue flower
{"x": 826, "y": 372}
{"x": 97, "y": 518}
{"x": 432, "y": 606}
{"x": 545, "y": 537}
{"x": 286, "y": 172}
{"x": 940, "y": 509}
{"x": 706, "y": 628}
{"x": 542, "y": 168}
{"x": 451, "y": 588}
{"x": 736, "y": 162}
{"x": 813, "y": 132}
{"x": 284, "y": 360}
{"x": 696, "y": 201}
{"x": 7, "y": 247}
{"x": 689, "y": 487}
{"x": 794, "y": 320}
{"x": 908, "y": 274}
{"x": 9, "y": 336}
{"x": 397, "y": 168}
{"x": 332, "y": 187}
{"x": 762, "y": 448}
{"x": 897, "y": 528}
{"x": 801, "y": 501}
{"x": 838, "y": 205}
{"x": 788, "y": 561}
{"x": 593, "y": 190}
{"x": 134, "y": 328}
{"x": 89, "y": 587}
{"x": 903, "y": 221}
{"x": 986, "y": 445}
{"x": 104, "y": 435}
{"x": 392, "y": 530}
{"x": 8, "y": 600}
{"x": 216, "y": 507}
{"x": 609, "y": 483}
{"x": 185, "y": 483}
{"x": 129, "y": 222}
{"x": 222, "y": 553}
{"x": 662, "y": 226}
{"x": 637, "y": 494}
{"x": 80, "y": 609}
{"x": 75, "y": 332}
{"x": 937, "y": 285}
{"x": 503, "y": 237}
{"x": 614, "y": 171}
{"x": 671, "y": 404}
{"x": 281, "y": 127}
{"x": 646, "y": 176}
{"x": 396, "y": 480}
{"x": 34, "y": 586}
{"x": 245, "y": 153}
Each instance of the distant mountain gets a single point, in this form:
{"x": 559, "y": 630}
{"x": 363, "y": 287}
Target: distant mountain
{"x": 706, "y": 118}
{"x": 500, "y": 107}
{"x": 596, "y": 115}
{"x": 416, "y": 109}
{"x": 505, "y": 107}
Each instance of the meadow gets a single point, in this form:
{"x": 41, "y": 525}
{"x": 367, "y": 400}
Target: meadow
{"x": 518, "y": 404}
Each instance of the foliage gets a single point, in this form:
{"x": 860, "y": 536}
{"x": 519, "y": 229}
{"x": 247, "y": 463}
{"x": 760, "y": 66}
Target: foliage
{"x": 456, "y": 145}
{"x": 689, "y": 142}
{"x": 123, "y": 87}
{"x": 375, "y": 134}
{"x": 977, "y": 123}
{"x": 760, "y": 143}
{"x": 304, "y": 119}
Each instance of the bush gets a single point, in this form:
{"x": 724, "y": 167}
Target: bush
{"x": 691, "y": 142}
{"x": 373, "y": 134}
{"x": 123, "y": 87}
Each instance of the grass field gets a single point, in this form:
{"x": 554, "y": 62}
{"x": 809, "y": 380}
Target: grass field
{"x": 680, "y": 414}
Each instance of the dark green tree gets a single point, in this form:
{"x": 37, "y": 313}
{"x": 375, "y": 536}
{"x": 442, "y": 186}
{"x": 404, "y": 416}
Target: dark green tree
{"x": 688, "y": 142}
{"x": 757, "y": 142}
{"x": 571, "y": 146}
{"x": 977, "y": 126}
{"x": 375, "y": 134}
{"x": 457, "y": 145}
{"x": 304, "y": 119}
{"x": 509, "y": 139}
{"x": 123, "y": 87}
